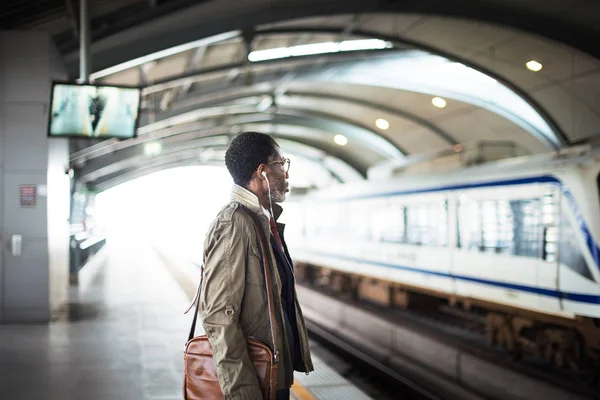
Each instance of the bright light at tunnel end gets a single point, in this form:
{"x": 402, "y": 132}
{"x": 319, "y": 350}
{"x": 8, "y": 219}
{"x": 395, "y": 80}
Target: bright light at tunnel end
{"x": 318, "y": 48}
{"x": 341, "y": 140}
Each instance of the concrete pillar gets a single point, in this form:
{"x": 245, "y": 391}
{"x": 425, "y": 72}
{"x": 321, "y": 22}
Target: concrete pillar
{"x": 34, "y": 284}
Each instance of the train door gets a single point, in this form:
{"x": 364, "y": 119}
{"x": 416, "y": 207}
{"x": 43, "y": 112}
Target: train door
{"x": 548, "y": 268}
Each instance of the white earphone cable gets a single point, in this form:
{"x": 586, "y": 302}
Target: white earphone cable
{"x": 269, "y": 189}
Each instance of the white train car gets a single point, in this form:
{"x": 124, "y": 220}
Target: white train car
{"x": 517, "y": 238}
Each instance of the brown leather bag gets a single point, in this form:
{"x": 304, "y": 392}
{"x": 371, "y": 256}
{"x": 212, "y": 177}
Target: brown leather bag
{"x": 200, "y": 375}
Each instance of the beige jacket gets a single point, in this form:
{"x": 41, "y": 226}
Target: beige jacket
{"x": 233, "y": 302}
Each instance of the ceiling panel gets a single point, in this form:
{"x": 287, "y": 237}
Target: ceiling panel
{"x": 586, "y": 15}
{"x": 571, "y": 114}
{"x": 500, "y": 128}
{"x": 416, "y": 103}
{"x": 328, "y": 20}
{"x": 417, "y": 140}
{"x": 222, "y": 54}
{"x": 55, "y": 24}
{"x": 511, "y": 71}
{"x": 558, "y": 61}
{"x": 130, "y": 76}
{"x": 550, "y": 8}
{"x": 484, "y": 125}
{"x": 452, "y": 34}
{"x": 587, "y": 89}
{"x": 399, "y": 132}
{"x": 173, "y": 65}
{"x": 568, "y": 86}
{"x": 394, "y": 24}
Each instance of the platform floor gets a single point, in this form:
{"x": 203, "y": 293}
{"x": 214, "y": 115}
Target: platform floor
{"x": 120, "y": 338}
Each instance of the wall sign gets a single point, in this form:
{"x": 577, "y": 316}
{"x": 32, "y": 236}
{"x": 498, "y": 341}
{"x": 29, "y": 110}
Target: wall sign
{"x": 28, "y": 195}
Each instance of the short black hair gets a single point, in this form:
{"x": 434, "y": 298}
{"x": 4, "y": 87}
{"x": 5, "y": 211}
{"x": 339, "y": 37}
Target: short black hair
{"x": 246, "y": 152}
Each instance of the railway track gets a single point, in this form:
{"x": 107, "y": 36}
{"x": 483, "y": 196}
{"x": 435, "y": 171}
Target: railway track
{"x": 443, "y": 346}
{"x": 371, "y": 376}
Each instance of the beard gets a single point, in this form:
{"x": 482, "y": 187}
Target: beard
{"x": 278, "y": 191}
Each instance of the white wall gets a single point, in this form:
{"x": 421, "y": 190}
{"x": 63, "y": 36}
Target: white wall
{"x": 28, "y": 63}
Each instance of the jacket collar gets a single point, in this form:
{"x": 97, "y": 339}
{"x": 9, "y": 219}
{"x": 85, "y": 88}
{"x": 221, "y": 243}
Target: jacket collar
{"x": 249, "y": 200}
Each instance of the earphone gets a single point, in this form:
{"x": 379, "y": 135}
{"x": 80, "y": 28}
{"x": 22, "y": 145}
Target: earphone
{"x": 264, "y": 173}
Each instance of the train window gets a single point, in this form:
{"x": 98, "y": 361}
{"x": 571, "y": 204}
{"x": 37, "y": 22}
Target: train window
{"x": 358, "y": 221}
{"x": 388, "y": 222}
{"x": 569, "y": 250}
{"x": 496, "y": 227}
{"x": 501, "y": 226}
{"x": 527, "y": 228}
{"x": 427, "y": 224}
{"x": 312, "y": 222}
{"x": 550, "y": 232}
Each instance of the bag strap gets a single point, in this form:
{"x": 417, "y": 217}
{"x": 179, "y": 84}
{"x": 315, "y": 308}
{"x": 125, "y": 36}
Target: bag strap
{"x": 196, "y": 302}
{"x": 267, "y": 266}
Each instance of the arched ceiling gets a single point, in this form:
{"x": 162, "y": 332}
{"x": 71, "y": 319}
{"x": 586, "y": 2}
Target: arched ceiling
{"x": 471, "y": 53}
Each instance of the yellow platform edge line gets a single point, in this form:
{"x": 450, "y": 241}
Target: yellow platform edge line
{"x": 301, "y": 393}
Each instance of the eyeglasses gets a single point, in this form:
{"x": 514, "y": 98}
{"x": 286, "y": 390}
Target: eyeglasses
{"x": 285, "y": 163}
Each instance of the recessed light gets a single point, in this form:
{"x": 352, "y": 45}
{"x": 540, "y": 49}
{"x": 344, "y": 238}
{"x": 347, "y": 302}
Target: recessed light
{"x": 533, "y": 66}
{"x": 341, "y": 140}
{"x": 382, "y": 124}
{"x": 438, "y": 102}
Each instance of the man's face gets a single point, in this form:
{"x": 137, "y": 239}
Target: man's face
{"x": 278, "y": 178}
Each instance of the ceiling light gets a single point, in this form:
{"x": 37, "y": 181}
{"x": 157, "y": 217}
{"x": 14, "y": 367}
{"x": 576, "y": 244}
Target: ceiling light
{"x": 341, "y": 140}
{"x": 382, "y": 123}
{"x": 314, "y": 48}
{"x": 438, "y": 102}
{"x": 363, "y": 44}
{"x": 152, "y": 149}
{"x": 270, "y": 54}
{"x": 533, "y": 65}
{"x": 318, "y": 48}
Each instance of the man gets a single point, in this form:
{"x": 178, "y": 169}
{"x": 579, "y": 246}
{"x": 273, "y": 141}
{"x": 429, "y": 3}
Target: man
{"x": 233, "y": 301}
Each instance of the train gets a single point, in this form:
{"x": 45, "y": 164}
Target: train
{"x": 515, "y": 239}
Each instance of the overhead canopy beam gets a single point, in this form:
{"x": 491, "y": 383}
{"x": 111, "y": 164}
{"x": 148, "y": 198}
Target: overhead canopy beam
{"x": 132, "y": 159}
{"x": 217, "y": 125}
{"x": 559, "y": 139}
{"x": 147, "y": 169}
{"x": 175, "y": 156}
{"x": 151, "y": 30}
{"x": 560, "y": 135}
{"x": 235, "y": 94}
{"x": 193, "y": 61}
{"x": 140, "y": 172}
{"x": 306, "y": 62}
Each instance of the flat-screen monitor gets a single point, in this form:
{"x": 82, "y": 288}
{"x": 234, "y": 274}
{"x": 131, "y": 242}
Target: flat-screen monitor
{"x": 96, "y": 111}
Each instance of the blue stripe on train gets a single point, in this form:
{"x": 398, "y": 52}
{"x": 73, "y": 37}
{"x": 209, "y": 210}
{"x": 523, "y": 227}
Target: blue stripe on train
{"x": 579, "y": 297}
{"x": 590, "y": 243}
